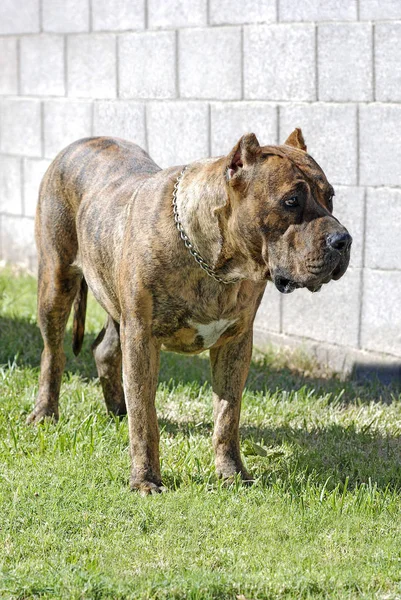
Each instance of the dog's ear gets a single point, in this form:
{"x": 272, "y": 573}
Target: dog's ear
{"x": 296, "y": 139}
{"x": 244, "y": 154}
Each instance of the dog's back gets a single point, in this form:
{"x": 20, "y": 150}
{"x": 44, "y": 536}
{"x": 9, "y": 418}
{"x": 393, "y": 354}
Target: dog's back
{"x": 100, "y": 168}
{"x": 87, "y": 166}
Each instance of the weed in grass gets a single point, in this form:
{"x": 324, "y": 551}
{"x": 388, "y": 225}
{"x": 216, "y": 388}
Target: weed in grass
{"x": 321, "y": 521}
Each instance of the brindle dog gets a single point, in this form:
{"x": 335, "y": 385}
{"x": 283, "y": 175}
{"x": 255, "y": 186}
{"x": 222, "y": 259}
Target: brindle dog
{"x": 105, "y": 216}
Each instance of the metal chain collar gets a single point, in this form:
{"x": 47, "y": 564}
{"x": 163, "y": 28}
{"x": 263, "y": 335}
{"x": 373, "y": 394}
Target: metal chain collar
{"x": 201, "y": 262}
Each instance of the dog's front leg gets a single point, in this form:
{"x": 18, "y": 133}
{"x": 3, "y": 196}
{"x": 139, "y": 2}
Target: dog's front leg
{"x": 141, "y": 355}
{"x": 230, "y": 366}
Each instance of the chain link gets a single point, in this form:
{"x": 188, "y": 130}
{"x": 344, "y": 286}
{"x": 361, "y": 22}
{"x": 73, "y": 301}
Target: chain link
{"x": 201, "y": 262}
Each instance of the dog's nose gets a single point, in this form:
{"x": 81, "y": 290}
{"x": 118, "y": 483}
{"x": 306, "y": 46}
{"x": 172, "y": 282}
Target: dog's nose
{"x": 339, "y": 241}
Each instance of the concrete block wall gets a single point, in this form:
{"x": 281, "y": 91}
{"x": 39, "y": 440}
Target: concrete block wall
{"x": 184, "y": 79}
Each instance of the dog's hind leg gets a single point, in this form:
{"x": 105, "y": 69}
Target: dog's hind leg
{"x": 58, "y": 283}
{"x": 56, "y": 292}
{"x": 107, "y": 352}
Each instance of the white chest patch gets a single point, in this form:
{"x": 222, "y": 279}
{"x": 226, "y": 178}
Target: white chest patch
{"x": 212, "y": 331}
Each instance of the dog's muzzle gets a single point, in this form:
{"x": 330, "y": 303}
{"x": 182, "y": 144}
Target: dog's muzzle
{"x": 334, "y": 264}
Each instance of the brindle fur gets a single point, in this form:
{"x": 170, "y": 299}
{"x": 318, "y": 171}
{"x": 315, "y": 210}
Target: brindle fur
{"x": 105, "y": 217}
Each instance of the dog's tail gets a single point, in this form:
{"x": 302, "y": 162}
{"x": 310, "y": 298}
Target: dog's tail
{"x": 78, "y": 327}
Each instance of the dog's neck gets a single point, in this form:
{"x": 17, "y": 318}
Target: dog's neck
{"x": 201, "y": 192}
{"x": 201, "y": 200}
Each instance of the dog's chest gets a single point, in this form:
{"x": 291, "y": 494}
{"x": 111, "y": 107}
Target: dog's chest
{"x": 195, "y": 322}
{"x": 196, "y": 337}
{"x": 211, "y": 332}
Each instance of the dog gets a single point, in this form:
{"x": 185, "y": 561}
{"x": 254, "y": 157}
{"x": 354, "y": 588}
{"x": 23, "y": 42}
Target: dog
{"x": 179, "y": 259}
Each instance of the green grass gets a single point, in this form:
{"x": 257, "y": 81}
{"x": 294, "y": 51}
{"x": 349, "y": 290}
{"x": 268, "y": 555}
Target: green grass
{"x": 323, "y": 519}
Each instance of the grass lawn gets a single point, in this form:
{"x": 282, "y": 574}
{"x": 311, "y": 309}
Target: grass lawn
{"x": 323, "y": 519}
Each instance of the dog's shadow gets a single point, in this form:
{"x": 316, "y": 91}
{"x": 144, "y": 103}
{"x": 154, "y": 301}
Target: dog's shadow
{"x": 332, "y": 452}
{"x": 326, "y": 455}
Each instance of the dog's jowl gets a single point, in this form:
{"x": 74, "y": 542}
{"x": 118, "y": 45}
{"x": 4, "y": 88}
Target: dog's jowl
{"x": 179, "y": 258}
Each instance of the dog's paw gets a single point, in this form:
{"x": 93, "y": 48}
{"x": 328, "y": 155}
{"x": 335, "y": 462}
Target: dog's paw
{"x": 243, "y": 479}
{"x": 42, "y": 413}
{"x": 147, "y": 488}
{"x": 231, "y": 474}
{"x": 118, "y": 410}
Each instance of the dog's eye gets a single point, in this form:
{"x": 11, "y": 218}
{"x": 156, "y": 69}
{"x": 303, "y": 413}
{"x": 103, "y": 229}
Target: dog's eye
{"x": 291, "y": 202}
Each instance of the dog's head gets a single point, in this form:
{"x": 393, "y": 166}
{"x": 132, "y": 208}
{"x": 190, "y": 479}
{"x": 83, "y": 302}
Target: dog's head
{"x": 281, "y": 204}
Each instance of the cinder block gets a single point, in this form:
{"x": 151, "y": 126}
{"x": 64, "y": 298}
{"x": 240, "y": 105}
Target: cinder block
{"x": 19, "y": 16}
{"x": 230, "y": 120}
{"x": 345, "y": 61}
{"x": 177, "y": 132}
{"x": 380, "y": 9}
{"x": 381, "y": 315}
{"x": 349, "y": 210}
{"x": 42, "y": 65}
{"x": 17, "y": 241}
{"x": 65, "y": 121}
{"x": 118, "y": 14}
{"x": 65, "y": 16}
{"x": 380, "y": 150}
{"x": 177, "y": 13}
{"x": 8, "y": 66}
{"x": 247, "y": 11}
{"x": 92, "y": 66}
{"x": 10, "y": 185}
{"x": 147, "y": 65}
{"x": 331, "y": 315}
{"x": 383, "y": 229}
{"x": 210, "y": 63}
{"x": 330, "y": 134}
{"x": 33, "y": 173}
{"x": 388, "y": 61}
{"x": 268, "y": 315}
{"x": 121, "y": 119}
{"x": 319, "y": 10}
{"x": 274, "y": 65}
{"x": 20, "y": 127}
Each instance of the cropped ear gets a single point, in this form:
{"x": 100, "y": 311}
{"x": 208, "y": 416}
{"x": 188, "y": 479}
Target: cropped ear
{"x": 296, "y": 139}
{"x": 244, "y": 154}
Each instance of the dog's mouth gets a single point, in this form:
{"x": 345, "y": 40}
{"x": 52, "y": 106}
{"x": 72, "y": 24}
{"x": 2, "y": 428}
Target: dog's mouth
{"x": 286, "y": 285}
{"x": 312, "y": 281}
{"x": 340, "y": 270}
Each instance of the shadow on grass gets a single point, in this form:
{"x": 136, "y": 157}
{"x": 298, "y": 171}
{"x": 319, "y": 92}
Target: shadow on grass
{"x": 329, "y": 454}
{"x": 333, "y": 452}
{"x": 21, "y": 341}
